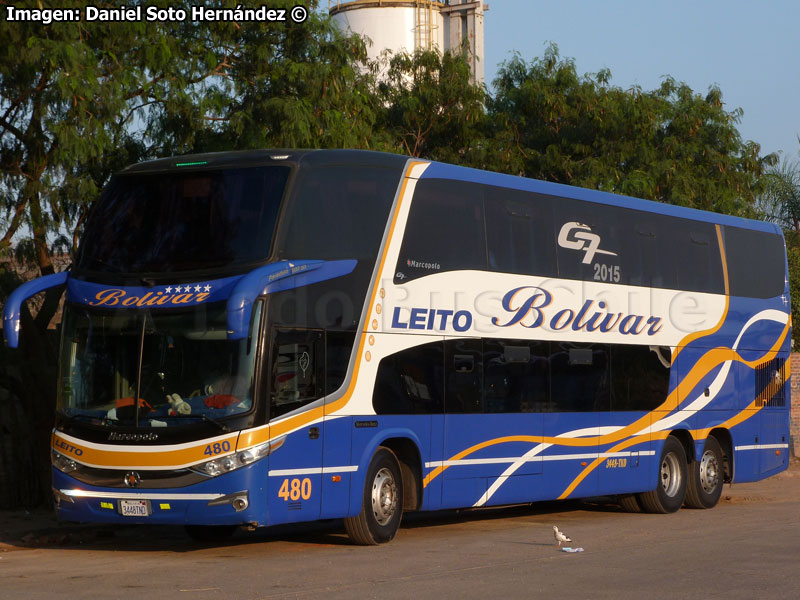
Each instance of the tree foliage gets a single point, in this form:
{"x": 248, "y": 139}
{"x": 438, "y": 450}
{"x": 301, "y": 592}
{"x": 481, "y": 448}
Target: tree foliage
{"x": 296, "y": 86}
{"x": 70, "y": 96}
{"x": 780, "y": 200}
{"x": 780, "y": 204}
{"x": 80, "y": 100}
{"x": 432, "y": 109}
{"x": 670, "y": 144}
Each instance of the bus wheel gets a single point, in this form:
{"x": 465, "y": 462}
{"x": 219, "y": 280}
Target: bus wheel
{"x": 706, "y": 477}
{"x": 630, "y": 503}
{"x": 210, "y": 533}
{"x": 672, "y": 475}
{"x": 382, "y": 504}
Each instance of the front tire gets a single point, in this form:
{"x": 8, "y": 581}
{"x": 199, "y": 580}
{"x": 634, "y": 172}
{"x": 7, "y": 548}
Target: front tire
{"x": 382, "y": 503}
{"x": 706, "y": 477}
{"x": 670, "y": 490}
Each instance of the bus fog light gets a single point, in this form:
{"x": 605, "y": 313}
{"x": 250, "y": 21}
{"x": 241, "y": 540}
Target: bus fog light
{"x": 239, "y": 501}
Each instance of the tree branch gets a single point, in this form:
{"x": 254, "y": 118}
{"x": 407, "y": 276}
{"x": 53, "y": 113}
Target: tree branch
{"x": 14, "y": 130}
{"x": 16, "y": 221}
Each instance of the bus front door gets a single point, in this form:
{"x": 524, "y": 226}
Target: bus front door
{"x": 297, "y": 387}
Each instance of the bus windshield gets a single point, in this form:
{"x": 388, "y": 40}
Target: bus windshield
{"x": 187, "y": 370}
{"x": 184, "y": 220}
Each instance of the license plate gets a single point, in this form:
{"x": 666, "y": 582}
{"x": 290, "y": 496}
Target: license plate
{"x": 134, "y": 508}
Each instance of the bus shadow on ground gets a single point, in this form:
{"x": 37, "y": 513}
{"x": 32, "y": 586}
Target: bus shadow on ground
{"x": 40, "y": 530}
{"x": 465, "y": 515}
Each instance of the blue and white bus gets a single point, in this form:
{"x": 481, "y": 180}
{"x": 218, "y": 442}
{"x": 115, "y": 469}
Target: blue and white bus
{"x": 279, "y": 336}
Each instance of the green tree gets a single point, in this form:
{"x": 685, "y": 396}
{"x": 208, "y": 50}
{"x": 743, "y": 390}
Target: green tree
{"x": 780, "y": 204}
{"x": 300, "y": 86}
{"x": 780, "y": 201}
{"x": 75, "y": 102}
{"x": 431, "y": 108}
{"x": 670, "y": 144}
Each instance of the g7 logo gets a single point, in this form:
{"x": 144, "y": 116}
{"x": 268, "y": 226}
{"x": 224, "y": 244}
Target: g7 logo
{"x": 583, "y": 239}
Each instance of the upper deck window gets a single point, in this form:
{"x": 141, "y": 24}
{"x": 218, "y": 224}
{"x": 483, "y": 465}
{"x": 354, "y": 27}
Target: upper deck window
{"x": 445, "y": 230}
{"x": 338, "y": 212}
{"x": 184, "y": 220}
{"x": 756, "y": 262}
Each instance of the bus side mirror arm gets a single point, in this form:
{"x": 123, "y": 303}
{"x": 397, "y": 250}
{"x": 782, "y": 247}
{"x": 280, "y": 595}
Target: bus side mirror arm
{"x": 13, "y": 306}
{"x": 276, "y": 277}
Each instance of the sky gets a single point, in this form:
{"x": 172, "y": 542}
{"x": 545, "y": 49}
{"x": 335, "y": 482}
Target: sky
{"x": 749, "y": 49}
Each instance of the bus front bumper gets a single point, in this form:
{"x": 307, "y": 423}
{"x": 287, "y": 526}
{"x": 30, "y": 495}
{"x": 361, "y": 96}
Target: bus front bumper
{"x": 223, "y": 500}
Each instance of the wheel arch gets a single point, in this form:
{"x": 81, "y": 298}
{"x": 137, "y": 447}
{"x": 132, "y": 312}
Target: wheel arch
{"x": 405, "y": 445}
{"x": 407, "y": 453}
{"x": 687, "y": 441}
{"x": 725, "y": 441}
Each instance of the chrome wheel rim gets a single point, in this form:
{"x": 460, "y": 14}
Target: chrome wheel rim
{"x": 709, "y": 472}
{"x": 670, "y": 475}
{"x": 384, "y": 496}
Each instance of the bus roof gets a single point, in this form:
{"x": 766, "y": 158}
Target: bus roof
{"x": 446, "y": 171}
{"x": 437, "y": 170}
{"x": 244, "y": 158}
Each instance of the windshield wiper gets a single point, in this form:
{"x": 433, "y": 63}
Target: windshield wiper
{"x": 205, "y": 418}
{"x": 68, "y": 419}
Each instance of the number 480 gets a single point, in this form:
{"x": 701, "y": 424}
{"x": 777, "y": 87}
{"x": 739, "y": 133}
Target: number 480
{"x": 294, "y": 489}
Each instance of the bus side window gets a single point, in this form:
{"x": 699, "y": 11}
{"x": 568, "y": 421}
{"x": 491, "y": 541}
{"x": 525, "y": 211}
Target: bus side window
{"x": 519, "y": 233}
{"x": 643, "y": 269}
{"x": 580, "y": 377}
{"x": 444, "y": 231}
{"x": 698, "y": 264}
{"x": 338, "y": 347}
{"x": 639, "y": 377}
{"x": 516, "y": 376}
{"x": 756, "y": 262}
{"x": 297, "y": 371}
{"x": 410, "y": 382}
{"x": 464, "y": 385}
{"x": 338, "y": 213}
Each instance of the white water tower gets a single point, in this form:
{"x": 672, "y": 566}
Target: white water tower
{"x": 410, "y": 25}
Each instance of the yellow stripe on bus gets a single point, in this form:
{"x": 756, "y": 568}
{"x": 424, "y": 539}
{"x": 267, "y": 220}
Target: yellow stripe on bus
{"x": 709, "y": 361}
{"x": 139, "y": 457}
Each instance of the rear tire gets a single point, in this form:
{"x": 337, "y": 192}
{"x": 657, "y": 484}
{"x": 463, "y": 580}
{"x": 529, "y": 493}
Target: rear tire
{"x": 382, "y": 502}
{"x": 670, "y": 491}
{"x": 630, "y": 503}
{"x": 706, "y": 477}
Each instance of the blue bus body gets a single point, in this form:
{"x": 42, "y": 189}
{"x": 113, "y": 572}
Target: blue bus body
{"x": 489, "y": 386}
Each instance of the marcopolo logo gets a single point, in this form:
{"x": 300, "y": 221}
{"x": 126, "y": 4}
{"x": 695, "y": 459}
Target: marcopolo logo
{"x": 419, "y": 264}
{"x": 577, "y": 236}
{"x": 115, "y": 436}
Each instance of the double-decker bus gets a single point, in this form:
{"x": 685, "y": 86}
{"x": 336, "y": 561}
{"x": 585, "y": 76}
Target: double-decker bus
{"x": 279, "y": 336}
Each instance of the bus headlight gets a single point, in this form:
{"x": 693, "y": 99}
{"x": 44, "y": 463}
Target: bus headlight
{"x": 231, "y": 462}
{"x": 62, "y": 463}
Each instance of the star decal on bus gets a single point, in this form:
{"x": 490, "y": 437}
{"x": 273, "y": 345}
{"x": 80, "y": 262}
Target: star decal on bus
{"x": 197, "y": 288}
